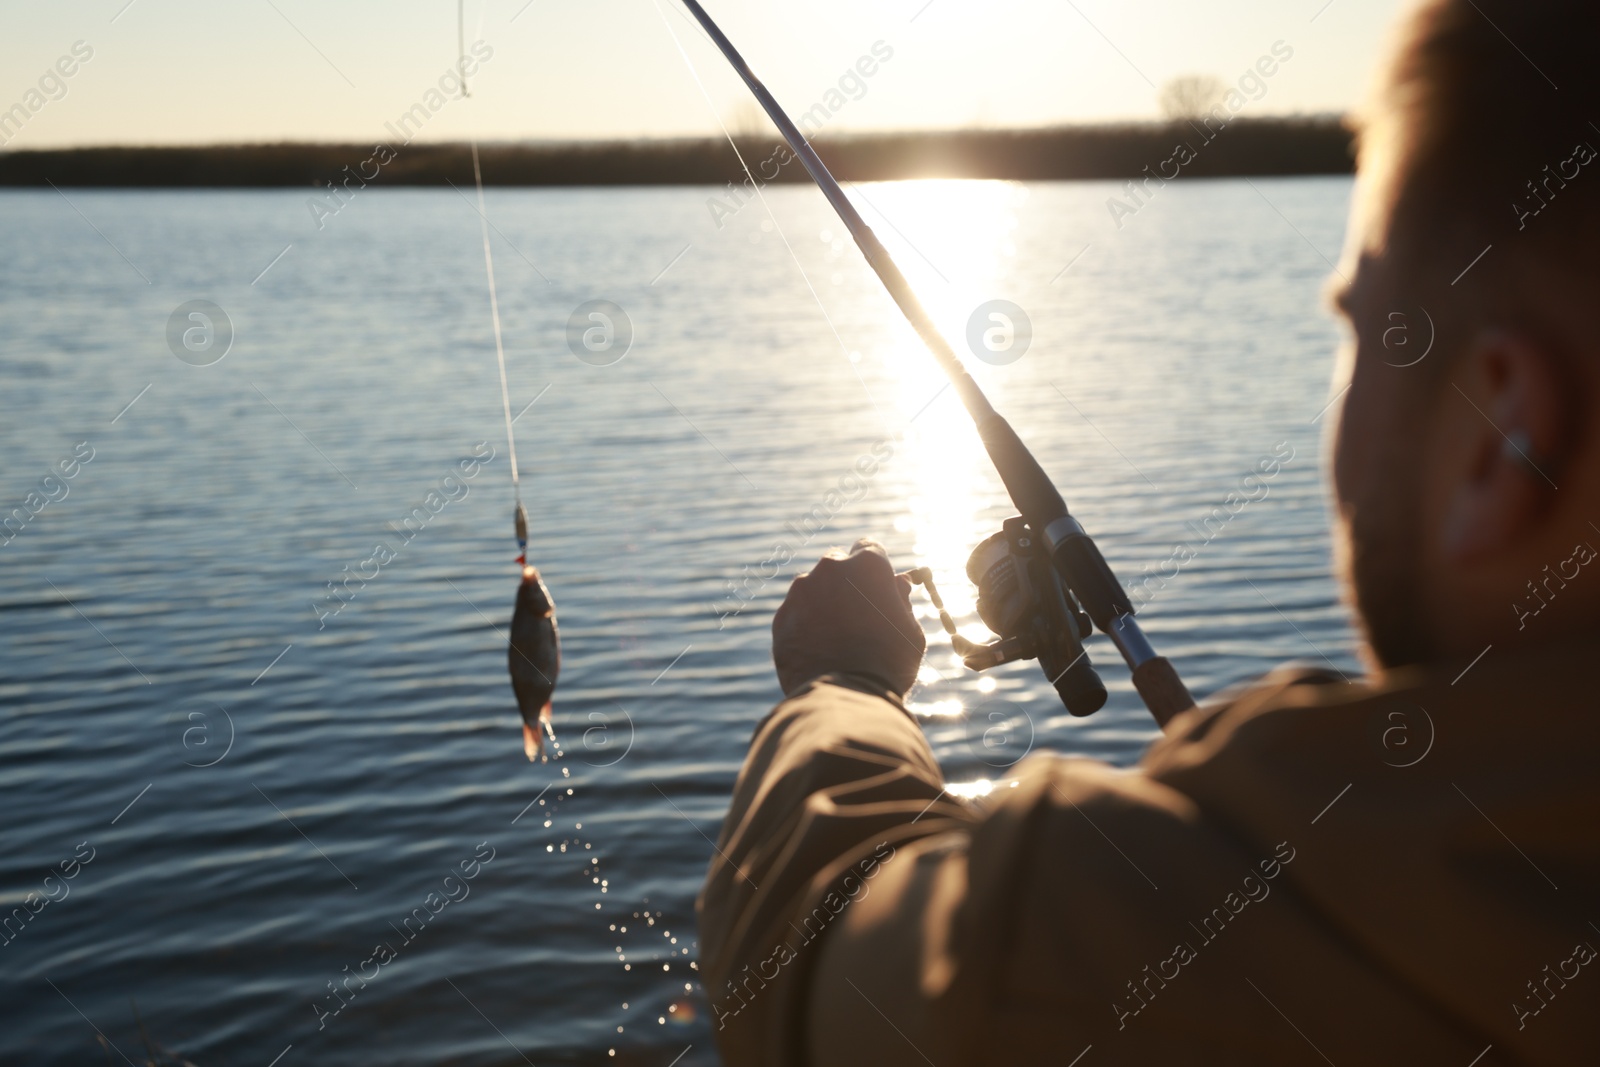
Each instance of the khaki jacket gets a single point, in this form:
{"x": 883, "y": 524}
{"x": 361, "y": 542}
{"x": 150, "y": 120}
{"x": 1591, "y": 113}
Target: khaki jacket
{"x": 1401, "y": 871}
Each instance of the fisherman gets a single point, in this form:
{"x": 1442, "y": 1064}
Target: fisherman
{"x": 1403, "y": 868}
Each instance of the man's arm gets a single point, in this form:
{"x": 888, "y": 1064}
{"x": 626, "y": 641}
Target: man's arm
{"x": 839, "y": 779}
{"x": 838, "y": 782}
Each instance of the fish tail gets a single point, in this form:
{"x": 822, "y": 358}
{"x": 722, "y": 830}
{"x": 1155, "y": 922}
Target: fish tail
{"x": 545, "y": 721}
{"x": 533, "y": 740}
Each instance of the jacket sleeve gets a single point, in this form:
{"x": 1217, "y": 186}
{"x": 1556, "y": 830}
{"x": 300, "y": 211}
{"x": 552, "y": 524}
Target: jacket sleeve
{"x": 838, "y": 781}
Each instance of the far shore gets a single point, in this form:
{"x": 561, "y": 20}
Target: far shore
{"x": 1244, "y": 147}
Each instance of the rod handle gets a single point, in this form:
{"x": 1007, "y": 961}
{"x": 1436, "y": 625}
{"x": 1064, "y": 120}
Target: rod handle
{"x": 1162, "y": 690}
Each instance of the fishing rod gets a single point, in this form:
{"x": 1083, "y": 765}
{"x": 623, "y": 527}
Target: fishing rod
{"x": 1066, "y": 548}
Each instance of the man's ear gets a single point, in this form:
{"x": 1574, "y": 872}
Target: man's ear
{"x": 1505, "y": 417}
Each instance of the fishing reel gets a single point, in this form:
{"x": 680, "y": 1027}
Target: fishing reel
{"x": 1023, "y": 600}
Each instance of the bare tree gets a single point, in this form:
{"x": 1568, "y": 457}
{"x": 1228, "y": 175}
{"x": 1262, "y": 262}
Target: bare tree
{"x": 1191, "y": 96}
{"x": 746, "y": 119}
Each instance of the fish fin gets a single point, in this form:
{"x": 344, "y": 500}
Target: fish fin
{"x": 532, "y": 743}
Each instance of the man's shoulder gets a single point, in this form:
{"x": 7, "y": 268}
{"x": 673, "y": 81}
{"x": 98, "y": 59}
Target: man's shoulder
{"x": 1293, "y": 684}
{"x": 1197, "y": 738}
{"x": 1228, "y": 793}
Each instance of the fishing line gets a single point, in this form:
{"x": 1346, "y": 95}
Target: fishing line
{"x": 461, "y": 41}
{"x": 695, "y": 74}
{"x": 494, "y": 297}
{"x": 500, "y": 356}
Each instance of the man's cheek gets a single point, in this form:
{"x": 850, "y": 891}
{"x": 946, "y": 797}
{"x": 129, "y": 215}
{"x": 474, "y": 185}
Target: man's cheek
{"x": 1368, "y": 412}
{"x": 1341, "y": 434}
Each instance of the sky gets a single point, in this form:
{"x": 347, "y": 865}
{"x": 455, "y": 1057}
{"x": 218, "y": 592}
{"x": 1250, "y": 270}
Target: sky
{"x": 204, "y": 72}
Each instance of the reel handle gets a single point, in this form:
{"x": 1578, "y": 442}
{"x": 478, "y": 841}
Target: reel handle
{"x": 964, "y": 648}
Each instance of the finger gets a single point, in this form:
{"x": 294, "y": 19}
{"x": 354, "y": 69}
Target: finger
{"x": 864, "y": 548}
{"x": 867, "y": 560}
{"x": 868, "y": 552}
{"x": 867, "y": 544}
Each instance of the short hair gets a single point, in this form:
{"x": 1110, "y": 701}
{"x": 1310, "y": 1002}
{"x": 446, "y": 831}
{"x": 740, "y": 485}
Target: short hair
{"x": 1486, "y": 125}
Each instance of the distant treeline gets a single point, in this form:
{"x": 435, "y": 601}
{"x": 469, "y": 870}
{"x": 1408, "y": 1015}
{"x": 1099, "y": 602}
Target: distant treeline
{"x": 1243, "y": 147}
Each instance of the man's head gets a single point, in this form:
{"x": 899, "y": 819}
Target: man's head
{"x": 1465, "y": 459}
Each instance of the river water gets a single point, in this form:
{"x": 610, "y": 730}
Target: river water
{"x": 255, "y": 778}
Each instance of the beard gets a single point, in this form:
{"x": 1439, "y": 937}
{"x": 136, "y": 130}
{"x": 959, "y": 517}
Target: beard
{"x": 1377, "y": 547}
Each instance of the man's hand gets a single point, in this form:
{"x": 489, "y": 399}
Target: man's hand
{"x": 851, "y": 615}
